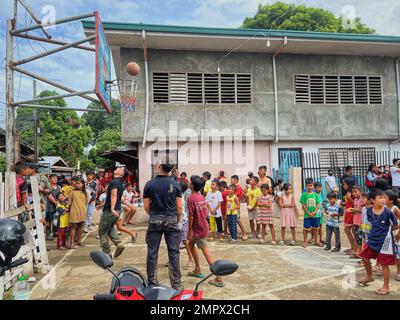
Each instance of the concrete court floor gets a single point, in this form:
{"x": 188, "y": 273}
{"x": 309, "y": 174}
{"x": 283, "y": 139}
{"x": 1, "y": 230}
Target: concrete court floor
{"x": 265, "y": 272}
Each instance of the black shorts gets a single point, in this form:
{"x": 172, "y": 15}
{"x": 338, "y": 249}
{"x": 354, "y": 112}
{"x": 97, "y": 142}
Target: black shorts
{"x": 358, "y": 234}
{"x": 49, "y": 216}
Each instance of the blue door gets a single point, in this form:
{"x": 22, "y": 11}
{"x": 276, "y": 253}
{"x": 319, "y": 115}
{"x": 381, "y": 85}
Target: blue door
{"x": 288, "y": 158}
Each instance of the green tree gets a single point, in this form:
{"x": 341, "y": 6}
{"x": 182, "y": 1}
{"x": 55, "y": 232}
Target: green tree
{"x": 62, "y": 131}
{"x": 99, "y": 121}
{"x": 284, "y": 16}
{"x": 2, "y": 164}
{"x": 109, "y": 139}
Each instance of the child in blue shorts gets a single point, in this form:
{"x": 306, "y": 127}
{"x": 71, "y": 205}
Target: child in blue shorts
{"x": 311, "y": 202}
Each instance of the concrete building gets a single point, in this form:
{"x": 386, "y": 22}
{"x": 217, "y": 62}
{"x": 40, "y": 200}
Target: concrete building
{"x": 290, "y": 92}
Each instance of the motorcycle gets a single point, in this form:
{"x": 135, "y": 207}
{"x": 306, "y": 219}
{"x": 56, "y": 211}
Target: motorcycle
{"x": 13, "y": 235}
{"x": 130, "y": 284}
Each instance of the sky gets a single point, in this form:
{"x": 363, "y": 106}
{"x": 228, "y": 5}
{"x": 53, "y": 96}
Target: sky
{"x": 75, "y": 68}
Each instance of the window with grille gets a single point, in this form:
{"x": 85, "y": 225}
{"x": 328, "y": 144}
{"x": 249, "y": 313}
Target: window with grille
{"x": 161, "y": 87}
{"x": 334, "y": 89}
{"x": 358, "y": 158}
{"x": 202, "y": 88}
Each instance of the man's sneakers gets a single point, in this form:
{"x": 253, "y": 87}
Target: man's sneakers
{"x": 120, "y": 249}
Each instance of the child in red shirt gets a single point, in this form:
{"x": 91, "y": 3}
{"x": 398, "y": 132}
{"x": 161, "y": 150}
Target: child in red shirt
{"x": 198, "y": 229}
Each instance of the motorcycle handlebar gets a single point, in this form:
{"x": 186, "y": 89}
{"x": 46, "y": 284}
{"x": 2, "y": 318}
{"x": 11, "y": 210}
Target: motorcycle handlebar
{"x": 104, "y": 296}
{"x": 18, "y": 263}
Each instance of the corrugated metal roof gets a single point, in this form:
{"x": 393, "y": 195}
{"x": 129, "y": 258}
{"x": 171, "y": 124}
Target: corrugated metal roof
{"x": 242, "y": 32}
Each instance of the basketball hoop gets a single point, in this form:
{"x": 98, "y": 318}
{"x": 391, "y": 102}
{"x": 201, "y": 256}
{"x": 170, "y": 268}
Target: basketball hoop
{"x": 127, "y": 94}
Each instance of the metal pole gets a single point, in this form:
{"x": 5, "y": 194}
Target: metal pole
{"x": 67, "y": 95}
{"x": 53, "y": 83}
{"x": 49, "y": 52}
{"x": 37, "y": 26}
{"x": 36, "y": 125}
{"x": 10, "y": 113}
{"x": 52, "y": 41}
{"x": 38, "y": 106}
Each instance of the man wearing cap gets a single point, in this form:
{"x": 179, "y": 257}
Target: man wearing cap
{"x": 163, "y": 202}
{"x": 112, "y": 212}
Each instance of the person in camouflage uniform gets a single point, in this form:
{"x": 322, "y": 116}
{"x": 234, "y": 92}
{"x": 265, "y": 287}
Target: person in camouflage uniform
{"x": 112, "y": 211}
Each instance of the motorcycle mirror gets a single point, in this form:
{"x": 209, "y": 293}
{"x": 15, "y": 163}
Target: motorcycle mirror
{"x": 223, "y": 267}
{"x": 102, "y": 259}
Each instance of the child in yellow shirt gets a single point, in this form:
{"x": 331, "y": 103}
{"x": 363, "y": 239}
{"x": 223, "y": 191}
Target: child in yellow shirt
{"x": 232, "y": 205}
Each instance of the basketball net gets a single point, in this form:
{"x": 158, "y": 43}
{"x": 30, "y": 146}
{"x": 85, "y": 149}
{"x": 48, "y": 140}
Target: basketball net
{"x": 127, "y": 94}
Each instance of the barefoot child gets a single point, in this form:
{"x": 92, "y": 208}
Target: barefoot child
{"x": 287, "y": 214}
{"x": 77, "y": 202}
{"x": 348, "y": 183}
{"x": 63, "y": 217}
{"x": 380, "y": 244}
{"x": 198, "y": 229}
{"x": 232, "y": 209}
{"x": 265, "y": 202}
{"x": 184, "y": 223}
{"x": 392, "y": 204}
{"x": 252, "y": 195}
{"x": 223, "y": 188}
{"x": 214, "y": 201}
{"x": 354, "y": 206}
{"x": 310, "y": 202}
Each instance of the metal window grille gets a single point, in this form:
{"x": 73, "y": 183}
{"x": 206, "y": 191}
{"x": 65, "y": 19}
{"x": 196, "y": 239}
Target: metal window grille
{"x": 334, "y": 89}
{"x": 199, "y": 88}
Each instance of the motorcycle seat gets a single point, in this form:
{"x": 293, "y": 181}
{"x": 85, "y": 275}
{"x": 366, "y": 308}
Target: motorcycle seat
{"x": 159, "y": 292}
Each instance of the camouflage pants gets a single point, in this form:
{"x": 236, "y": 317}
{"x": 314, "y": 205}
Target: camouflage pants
{"x": 107, "y": 231}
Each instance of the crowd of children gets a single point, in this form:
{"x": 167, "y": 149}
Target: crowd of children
{"x": 70, "y": 206}
{"x": 212, "y": 211}
{"x": 370, "y": 224}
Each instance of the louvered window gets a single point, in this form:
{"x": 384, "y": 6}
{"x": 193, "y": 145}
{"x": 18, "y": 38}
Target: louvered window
{"x": 200, "y": 88}
{"x": 177, "y": 84}
{"x": 375, "y": 90}
{"x": 346, "y": 90}
{"x": 243, "y": 83}
{"x": 211, "y": 88}
{"x": 161, "y": 87}
{"x": 228, "y": 88}
{"x": 332, "y": 89}
{"x": 195, "y": 88}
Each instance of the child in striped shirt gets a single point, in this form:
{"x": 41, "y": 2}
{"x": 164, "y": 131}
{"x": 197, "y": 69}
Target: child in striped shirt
{"x": 265, "y": 203}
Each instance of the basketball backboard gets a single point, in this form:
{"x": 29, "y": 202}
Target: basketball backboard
{"x": 103, "y": 66}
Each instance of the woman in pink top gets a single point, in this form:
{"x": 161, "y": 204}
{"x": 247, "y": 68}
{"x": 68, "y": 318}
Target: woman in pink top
{"x": 288, "y": 215}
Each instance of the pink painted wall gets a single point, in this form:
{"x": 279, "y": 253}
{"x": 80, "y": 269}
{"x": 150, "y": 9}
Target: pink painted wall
{"x": 233, "y": 158}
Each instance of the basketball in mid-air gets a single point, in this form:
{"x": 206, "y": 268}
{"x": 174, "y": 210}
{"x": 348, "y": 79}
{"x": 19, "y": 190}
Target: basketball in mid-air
{"x": 133, "y": 68}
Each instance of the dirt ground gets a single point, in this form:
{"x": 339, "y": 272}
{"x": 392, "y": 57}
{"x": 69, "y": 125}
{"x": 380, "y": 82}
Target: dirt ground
{"x": 265, "y": 272}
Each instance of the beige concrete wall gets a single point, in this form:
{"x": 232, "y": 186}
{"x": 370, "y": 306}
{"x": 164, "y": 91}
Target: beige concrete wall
{"x": 295, "y": 181}
{"x": 195, "y": 159}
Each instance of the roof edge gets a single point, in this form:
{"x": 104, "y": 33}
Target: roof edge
{"x": 121, "y": 26}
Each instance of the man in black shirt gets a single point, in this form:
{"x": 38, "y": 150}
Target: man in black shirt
{"x": 112, "y": 211}
{"x": 163, "y": 202}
